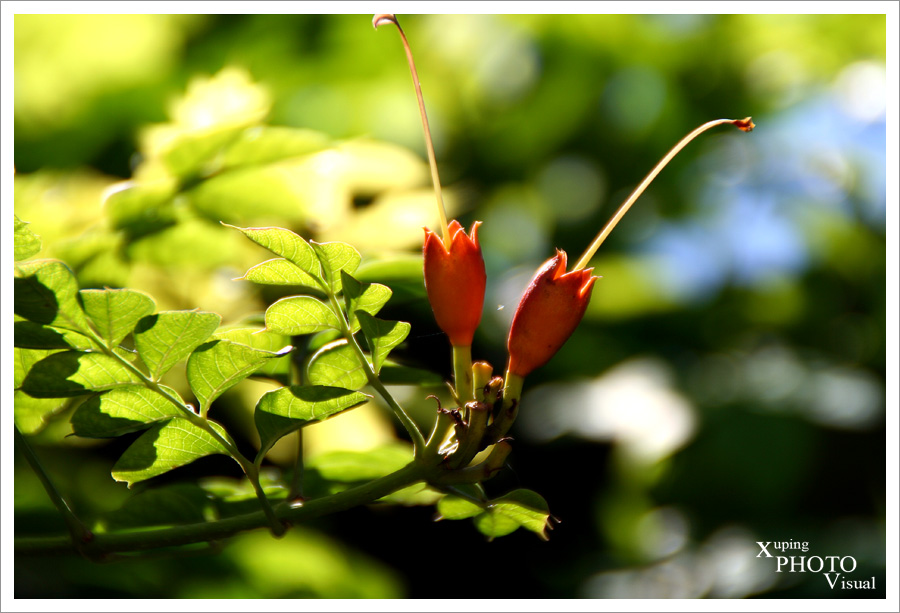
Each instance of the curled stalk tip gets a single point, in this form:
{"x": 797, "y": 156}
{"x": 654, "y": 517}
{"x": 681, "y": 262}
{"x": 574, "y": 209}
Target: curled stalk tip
{"x": 378, "y": 20}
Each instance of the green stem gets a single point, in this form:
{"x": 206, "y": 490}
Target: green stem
{"x": 462, "y": 374}
{"x": 509, "y": 409}
{"x": 112, "y": 542}
{"x": 296, "y": 490}
{"x": 79, "y": 533}
{"x": 411, "y": 428}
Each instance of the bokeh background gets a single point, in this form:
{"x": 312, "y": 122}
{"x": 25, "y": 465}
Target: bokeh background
{"x": 727, "y": 385}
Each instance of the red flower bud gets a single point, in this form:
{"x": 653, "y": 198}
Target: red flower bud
{"x": 454, "y": 281}
{"x": 548, "y": 313}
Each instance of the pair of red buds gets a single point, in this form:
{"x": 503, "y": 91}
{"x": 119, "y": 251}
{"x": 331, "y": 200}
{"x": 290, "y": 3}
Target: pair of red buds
{"x": 548, "y": 313}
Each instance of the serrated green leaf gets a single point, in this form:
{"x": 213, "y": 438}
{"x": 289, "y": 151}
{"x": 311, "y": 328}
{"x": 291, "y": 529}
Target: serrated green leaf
{"x": 454, "y": 507}
{"x": 266, "y": 144}
{"x": 352, "y": 466}
{"x": 29, "y": 335}
{"x": 164, "y": 339}
{"x": 336, "y": 364}
{"x": 32, "y": 414}
{"x": 336, "y": 257}
{"x": 279, "y": 271}
{"x": 382, "y": 336}
{"x": 216, "y": 366}
{"x": 171, "y": 505}
{"x": 368, "y": 297}
{"x": 115, "y": 311}
{"x": 166, "y": 446}
{"x": 260, "y": 338}
{"x": 394, "y": 374}
{"x": 73, "y": 373}
{"x": 300, "y": 315}
{"x": 284, "y": 410}
{"x": 286, "y": 244}
{"x": 45, "y": 293}
{"x": 27, "y": 243}
{"x": 121, "y": 410}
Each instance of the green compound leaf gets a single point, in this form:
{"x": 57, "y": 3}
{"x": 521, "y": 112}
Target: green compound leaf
{"x": 336, "y": 364}
{"x": 353, "y": 466}
{"x": 259, "y": 338}
{"x": 122, "y": 410}
{"x": 279, "y": 271}
{"x": 336, "y": 257}
{"x": 115, "y": 311}
{"x": 164, "y": 339}
{"x": 73, "y": 373}
{"x": 300, "y": 315}
{"x": 45, "y": 293}
{"x": 29, "y": 335}
{"x": 382, "y": 336}
{"x": 32, "y": 414}
{"x": 216, "y": 366}
{"x": 284, "y": 410}
{"x": 520, "y": 508}
{"x": 27, "y": 243}
{"x": 286, "y": 244}
{"x": 368, "y": 297}
{"x": 166, "y": 446}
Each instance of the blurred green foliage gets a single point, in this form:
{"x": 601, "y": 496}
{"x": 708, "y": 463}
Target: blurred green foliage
{"x": 726, "y": 386}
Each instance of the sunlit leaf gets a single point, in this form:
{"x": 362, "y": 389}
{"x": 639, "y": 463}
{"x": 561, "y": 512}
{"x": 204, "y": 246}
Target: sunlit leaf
{"x": 284, "y": 410}
{"x": 286, "y": 244}
{"x": 164, "y": 339}
{"x": 520, "y": 508}
{"x": 527, "y": 508}
{"x": 72, "y": 373}
{"x": 454, "y": 507}
{"x": 32, "y": 414}
{"x": 336, "y": 364}
{"x": 279, "y": 271}
{"x": 300, "y": 315}
{"x": 336, "y": 257}
{"x": 382, "y": 336}
{"x": 260, "y": 338}
{"x": 492, "y": 524}
{"x": 121, "y": 410}
{"x": 368, "y": 297}
{"x": 414, "y": 495}
{"x": 115, "y": 311}
{"x": 265, "y": 144}
{"x": 27, "y": 243}
{"x": 216, "y": 366}
{"x": 351, "y": 466}
{"x": 45, "y": 293}
{"x": 166, "y": 446}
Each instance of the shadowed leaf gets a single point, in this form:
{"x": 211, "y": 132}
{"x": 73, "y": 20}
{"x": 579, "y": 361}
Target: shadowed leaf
{"x": 164, "y": 447}
{"x": 382, "y": 336}
{"x": 336, "y": 364}
{"x": 368, "y": 297}
{"x": 122, "y": 410}
{"x": 45, "y": 293}
{"x": 73, "y": 373}
{"x": 336, "y": 257}
{"x": 284, "y": 410}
